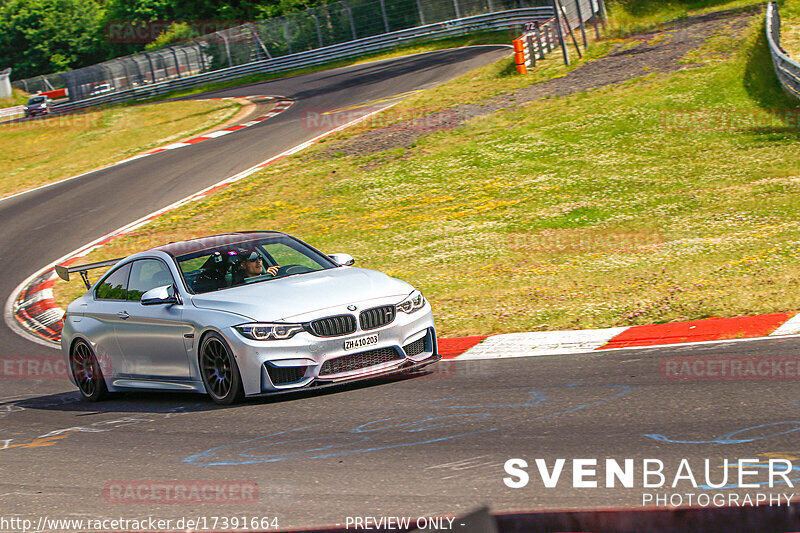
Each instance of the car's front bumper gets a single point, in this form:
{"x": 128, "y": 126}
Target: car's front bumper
{"x": 307, "y": 361}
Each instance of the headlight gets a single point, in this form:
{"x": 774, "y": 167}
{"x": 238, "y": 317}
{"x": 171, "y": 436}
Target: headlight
{"x": 414, "y": 302}
{"x": 269, "y": 331}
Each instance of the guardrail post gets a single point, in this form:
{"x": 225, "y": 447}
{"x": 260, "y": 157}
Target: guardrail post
{"x": 580, "y": 19}
{"x": 531, "y": 49}
{"x": 561, "y": 38}
{"x": 538, "y": 34}
{"x": 548, "y": 33}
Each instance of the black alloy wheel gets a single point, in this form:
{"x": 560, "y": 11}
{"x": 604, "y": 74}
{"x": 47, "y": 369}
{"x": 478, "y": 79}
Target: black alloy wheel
{"x": 219, "y": 371}
{"x": 86, "y": 371}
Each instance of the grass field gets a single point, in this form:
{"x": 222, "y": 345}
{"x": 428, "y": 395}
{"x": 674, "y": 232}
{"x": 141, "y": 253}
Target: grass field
{"x": 37, "y": 152}
{"x": 790, "y": 28}
{"x": 17, "y": 98}
{"x": 663, "y": 199}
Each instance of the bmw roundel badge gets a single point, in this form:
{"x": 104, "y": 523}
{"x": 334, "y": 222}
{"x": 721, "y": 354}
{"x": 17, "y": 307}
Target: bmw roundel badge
{"x": 351, "y": 307}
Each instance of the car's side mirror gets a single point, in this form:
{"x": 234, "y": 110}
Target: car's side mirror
{"x": 342, "y": 259}
{"x": 160, "y": 296}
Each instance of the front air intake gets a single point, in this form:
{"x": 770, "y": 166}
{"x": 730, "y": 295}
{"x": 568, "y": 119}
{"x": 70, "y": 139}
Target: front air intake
{"x": 377, "y": 317}
{"x": 334, "y": 326}
{"x": 358, "y": 361}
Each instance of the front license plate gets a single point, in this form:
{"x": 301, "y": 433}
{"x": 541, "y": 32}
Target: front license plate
{"x": 352, "y": 344}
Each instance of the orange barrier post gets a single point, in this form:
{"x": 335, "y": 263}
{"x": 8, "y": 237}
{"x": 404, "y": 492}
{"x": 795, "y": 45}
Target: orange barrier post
{"x": 519, "y": 56}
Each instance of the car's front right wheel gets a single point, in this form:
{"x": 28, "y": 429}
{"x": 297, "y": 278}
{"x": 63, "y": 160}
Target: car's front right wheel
{"x": 219, "y": 370}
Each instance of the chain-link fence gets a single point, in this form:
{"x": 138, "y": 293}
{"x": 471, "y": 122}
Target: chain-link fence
{"x": 787, "y": 70}
{"x": 302, "y": 31}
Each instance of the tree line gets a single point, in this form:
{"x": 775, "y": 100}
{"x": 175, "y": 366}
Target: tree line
{"x": 46, "y": 36}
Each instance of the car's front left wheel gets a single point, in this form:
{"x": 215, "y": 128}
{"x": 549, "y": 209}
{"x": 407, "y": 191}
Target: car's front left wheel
{"x": 87, "y": 373}
{"x": 219, "y": 370}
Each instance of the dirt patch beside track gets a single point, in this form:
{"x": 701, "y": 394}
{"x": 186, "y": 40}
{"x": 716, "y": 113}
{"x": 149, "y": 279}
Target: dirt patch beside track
{"x": 664, "y": 51}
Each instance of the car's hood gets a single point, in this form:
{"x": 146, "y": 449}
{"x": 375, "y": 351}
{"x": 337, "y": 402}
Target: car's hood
{"x": 291, "y": 296}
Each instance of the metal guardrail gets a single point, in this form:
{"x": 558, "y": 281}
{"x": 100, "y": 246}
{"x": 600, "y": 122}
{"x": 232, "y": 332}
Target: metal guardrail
{"x": 492, "y": 21}
{"x": 537, "y": 41}
{"x": 787, "y": 69}
{"x": 12, "y": 111}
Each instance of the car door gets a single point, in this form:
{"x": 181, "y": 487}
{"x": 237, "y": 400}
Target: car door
{"x": 152, "y": 336}
{"x": 101, "y": 318}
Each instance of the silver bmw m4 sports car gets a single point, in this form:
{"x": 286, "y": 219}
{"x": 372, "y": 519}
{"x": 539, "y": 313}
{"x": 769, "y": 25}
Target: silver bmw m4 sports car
{"x": 241, "y": 314}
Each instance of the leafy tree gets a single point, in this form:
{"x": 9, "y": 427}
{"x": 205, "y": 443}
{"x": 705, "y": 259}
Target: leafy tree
{"x": 44, "y": 36}
{"x": 177, "y": 32}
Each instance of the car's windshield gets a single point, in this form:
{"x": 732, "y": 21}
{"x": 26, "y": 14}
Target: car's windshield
{"x": 36, "y": 100}
{"x": 250, "y": 261}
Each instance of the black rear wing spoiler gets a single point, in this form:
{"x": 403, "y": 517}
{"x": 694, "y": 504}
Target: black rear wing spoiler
{"x": 64, "y": 272}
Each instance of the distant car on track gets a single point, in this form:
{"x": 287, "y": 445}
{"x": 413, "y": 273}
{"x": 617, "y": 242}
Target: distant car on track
{"x": 37, "y": 105}
{"x": 238, "y": 315}
{"x": 103, "y": 88}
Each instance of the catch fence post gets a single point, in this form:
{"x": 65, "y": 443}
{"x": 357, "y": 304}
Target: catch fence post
{"x": 561, "y": 38}
{"x": 595, "y": 14}
{"x": 580, "y": 19}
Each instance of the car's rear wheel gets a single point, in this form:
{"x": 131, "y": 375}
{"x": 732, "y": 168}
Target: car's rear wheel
{"x": 86, "y": 371}
{"x": 219, "y": 370}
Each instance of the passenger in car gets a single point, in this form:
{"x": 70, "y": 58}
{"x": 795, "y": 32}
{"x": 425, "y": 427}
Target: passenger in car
{"x": 212, "y": 274}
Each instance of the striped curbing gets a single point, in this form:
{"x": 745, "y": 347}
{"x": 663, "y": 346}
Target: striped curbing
{"x": 539, "y": 343}
{"x": 281, "y": 105}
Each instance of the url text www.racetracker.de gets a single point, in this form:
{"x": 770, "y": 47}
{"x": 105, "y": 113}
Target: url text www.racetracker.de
{"x": 695, "y": 483}
{"x": 149, "y": 523}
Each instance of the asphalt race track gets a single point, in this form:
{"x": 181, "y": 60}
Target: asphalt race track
{"x": 425, "y": 445}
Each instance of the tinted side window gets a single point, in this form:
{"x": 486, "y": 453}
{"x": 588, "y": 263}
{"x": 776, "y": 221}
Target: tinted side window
{"x": 147, "y": 274}
{"x": 115, "y": 286}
